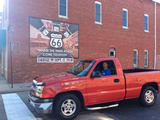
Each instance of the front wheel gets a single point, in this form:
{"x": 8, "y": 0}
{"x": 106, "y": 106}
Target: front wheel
{"x": 148, "y": 96}
{"x": 67, "y": 106}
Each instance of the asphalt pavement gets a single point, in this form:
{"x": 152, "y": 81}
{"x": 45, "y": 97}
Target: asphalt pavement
{"x": 127, "y": 110}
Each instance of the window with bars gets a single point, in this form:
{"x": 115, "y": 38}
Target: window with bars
{"x": 112, "y": 52}
{"x": 146, "y": 58}
{"x": 135, "y": 55}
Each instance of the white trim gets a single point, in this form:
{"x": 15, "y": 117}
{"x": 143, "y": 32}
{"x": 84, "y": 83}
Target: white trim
{"x": 124, "y": 9}
{"x": 135, "y": 65}
{"x": 124, "y": 27}
{"x": 146, "y": 15}
{"x": 97, "y": 2}
{"x": 61, "y": 16}
{"x": 146, "y": 51}
{"x": 146, "y": 31}
{"x": 99, "y": 23}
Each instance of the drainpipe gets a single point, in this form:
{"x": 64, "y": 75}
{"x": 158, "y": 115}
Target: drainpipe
{"x": 155, "y": 37}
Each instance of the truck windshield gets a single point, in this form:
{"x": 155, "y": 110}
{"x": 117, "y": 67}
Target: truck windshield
{"x": 82, "y": 68}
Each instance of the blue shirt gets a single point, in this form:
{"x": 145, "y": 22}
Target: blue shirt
{"x": 106, "y": 72}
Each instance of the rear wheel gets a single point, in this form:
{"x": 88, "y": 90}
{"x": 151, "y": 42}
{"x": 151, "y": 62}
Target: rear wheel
{"x": 148, "y": 96}
{"x": 67, "y": 106}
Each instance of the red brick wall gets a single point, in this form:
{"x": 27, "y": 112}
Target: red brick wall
{"x": 94, "y": 40}
{"x": 158, "y": 36}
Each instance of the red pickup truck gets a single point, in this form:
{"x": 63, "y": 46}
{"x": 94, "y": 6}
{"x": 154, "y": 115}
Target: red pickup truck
{"x": 84, "y": 85}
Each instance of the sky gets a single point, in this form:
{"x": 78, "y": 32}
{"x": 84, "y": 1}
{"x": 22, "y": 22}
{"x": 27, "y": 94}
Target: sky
{"x": 1, "y": 5}
{"x": 158, "y": 1}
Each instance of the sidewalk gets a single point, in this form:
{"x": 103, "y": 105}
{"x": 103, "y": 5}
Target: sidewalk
{"x": 5, "y": 87}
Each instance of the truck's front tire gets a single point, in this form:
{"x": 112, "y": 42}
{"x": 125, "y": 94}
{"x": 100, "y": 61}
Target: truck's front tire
{"x": 148, "y": 96}
{"x": 67, "y": 106}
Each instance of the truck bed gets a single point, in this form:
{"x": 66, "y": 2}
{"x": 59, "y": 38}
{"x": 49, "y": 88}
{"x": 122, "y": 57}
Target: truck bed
{"x": 136, "y": 78}
{"x": 138, "y": 70}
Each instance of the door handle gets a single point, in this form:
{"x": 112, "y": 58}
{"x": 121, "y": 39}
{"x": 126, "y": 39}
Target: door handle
{"x": 116, "y": 80}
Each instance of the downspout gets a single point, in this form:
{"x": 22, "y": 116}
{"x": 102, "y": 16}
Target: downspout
{"x": 155, "y": 40}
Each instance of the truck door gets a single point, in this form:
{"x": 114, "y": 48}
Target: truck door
{"x": 107, "y": 88}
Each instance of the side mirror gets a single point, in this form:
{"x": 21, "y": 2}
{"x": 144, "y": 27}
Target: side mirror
{"x": 95, "y": 74}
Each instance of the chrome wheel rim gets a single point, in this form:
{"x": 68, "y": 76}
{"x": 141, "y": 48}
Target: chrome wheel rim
{"x": 68, "y": 107}
{"x": 149, "y": 96}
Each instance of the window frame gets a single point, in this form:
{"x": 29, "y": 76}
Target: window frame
{"x": 125, "y": 27}
{"x": 111, "y": 50}
{"x": 96, "y": 22}
{"x": 101, "y": 62}
{"x": 135, "y": 65}
{"x": 146, "y": 66}
{"x": 146, "y": 15}
{"x": 61, "y": 16}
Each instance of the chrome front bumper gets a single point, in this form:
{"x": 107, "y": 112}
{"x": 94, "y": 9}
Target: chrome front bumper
{"x": 41, "y": 105}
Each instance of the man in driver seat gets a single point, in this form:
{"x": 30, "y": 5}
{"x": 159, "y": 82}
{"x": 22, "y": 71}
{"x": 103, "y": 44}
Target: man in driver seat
{"x": 105, "y": 71}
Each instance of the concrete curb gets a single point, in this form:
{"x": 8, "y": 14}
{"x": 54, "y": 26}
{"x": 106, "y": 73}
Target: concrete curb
{"x": 5, "y": 87}
{"x": 14, "y": 91}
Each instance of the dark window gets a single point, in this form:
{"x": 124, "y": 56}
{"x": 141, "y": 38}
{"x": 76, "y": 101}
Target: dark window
{"x": 112, "y": 52}
{"x": 111, "y": 66}
{"x": 145, "y": 58}
{"x": 135, "y": 55}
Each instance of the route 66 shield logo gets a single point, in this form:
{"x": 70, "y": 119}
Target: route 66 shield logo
{"x": 56, "y": 43}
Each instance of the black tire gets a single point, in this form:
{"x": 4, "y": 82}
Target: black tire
{"x": 148, "y": 96}
{"x": 60, "y": 112}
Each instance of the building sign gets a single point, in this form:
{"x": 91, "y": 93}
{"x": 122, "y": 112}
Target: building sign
{"x": 53, "y": 41}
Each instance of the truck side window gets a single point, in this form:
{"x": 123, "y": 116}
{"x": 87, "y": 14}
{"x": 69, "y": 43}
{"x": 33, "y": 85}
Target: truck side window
{"x": 111, "y": 67}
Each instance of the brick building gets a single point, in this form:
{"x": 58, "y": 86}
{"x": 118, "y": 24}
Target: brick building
{"x": 102, "y": 28}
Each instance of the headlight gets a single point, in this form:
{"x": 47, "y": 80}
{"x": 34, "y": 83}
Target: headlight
{"x": 39, "y": 91}
{"x": 38, "y": 88}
